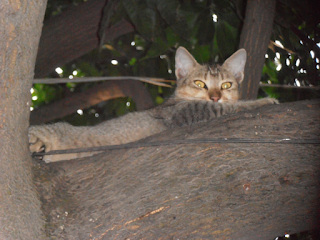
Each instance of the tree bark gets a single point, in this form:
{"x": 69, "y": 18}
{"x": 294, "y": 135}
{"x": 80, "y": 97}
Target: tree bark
{"x": 72, "y": 34}
{"x": 102, "y": 92}
{"x": 199, "y": 191}
{"x": 255, "y": 37}
{"x": 20, "y": 27}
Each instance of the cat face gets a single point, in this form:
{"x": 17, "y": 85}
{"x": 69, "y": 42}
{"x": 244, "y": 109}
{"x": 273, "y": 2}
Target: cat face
{"x": 211, "y": 83}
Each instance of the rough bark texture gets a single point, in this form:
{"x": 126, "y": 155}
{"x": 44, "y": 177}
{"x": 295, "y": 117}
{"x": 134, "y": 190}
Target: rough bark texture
{"x": 72, "y": 34}
{"x": 255, "y": 37}
{"x": 204, "y": 191}
{"x": 102, "y": 92}
{"x": 20, "y": 28}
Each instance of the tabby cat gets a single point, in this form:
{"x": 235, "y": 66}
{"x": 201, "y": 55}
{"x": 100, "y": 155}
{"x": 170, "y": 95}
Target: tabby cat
{"x": 203, "y": 93}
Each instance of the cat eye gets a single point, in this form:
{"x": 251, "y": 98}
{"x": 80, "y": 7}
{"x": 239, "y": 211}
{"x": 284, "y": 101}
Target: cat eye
{"x": 200, "y": 84}
{"x": 226, "y": 85}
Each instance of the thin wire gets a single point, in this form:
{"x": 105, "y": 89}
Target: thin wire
{"x": 155, "y": 81}
{"x": 179, "y": 142}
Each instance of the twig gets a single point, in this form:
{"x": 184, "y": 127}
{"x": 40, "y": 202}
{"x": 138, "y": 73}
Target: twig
{"x": 279, "y": 46}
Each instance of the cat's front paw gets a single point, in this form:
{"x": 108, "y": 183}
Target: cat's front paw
{"x": 36, "y": 145}
{"x": 38, "y": 142}
{"x": 271, "y": 100}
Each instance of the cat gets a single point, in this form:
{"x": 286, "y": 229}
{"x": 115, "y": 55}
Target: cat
{"x": 203, "y": 93}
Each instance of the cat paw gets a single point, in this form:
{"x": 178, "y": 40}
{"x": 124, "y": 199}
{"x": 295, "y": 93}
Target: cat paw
{"x": 273, "y": 101}
{"x": 37, "y": 143}
{"x": 46, "y": 138}
{"x": 269, "y": 100}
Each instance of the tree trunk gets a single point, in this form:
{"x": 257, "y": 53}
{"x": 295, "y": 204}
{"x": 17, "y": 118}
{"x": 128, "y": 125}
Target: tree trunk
{"x": 20, "y": 27}
{"x": 72, "y": 34}
{"x": 102, "y": 92}
{"x": 195, "y": 191}
{"x": 255, "y": 37}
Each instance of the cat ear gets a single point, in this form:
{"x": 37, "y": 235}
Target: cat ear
{"x": 184, "y": 62}
{"x": 235, "y": 63}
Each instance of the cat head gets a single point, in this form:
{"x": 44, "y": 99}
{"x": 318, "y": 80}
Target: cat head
{"x": 212, "y": 83}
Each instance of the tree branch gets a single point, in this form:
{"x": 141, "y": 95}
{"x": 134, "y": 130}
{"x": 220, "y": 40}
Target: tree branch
{"x": 102, "y": 92}
{"x": 199, "y": 191}
{"x": 255, "y": 37}
{"x": 81, "y": 24}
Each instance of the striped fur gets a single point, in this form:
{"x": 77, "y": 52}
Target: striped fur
{"x": 178, "y": 113}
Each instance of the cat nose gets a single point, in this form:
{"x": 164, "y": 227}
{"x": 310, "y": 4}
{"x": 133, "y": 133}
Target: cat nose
{"x": 215, "y": 99}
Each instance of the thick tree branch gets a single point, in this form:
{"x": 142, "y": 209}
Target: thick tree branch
{"x": 81, "y": 24}
{"x": 102, "y": 92}
{"x": 255, "y": 37}
{"x": 200, "y": 191}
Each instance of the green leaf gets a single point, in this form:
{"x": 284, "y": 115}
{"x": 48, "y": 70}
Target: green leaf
{"x": 132, "y": 61}
{"x": 170, "y": 12}
{"x": 226, "y": 38}
{"x": 172, "y": 37}
{"x": 270, "y": 69}
{"x": 206, "y": 30}
{"x": 142, "y": 16}
{"x": 88, "y": 69}
{"x": 202, "y": 53}
{"x": 158, "y": 47}
{"x": 159, "y": 100}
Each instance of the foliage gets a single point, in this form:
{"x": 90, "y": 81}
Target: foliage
{"x": 210, "y": 29}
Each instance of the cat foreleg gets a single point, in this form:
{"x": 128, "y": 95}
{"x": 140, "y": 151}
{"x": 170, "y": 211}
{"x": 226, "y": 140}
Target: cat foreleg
{"x": 252, "y": 104}
{"x": 190, "y": 112}
{"x": 45, "y": 138}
